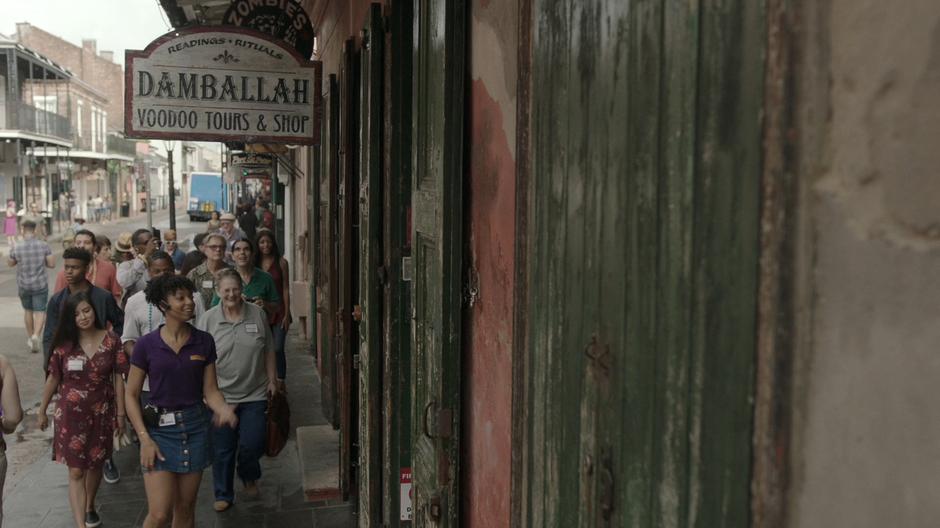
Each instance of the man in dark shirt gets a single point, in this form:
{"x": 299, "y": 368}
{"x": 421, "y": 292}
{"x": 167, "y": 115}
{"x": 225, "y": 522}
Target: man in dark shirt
{"x": 247, "y": 221}
{"x": 75, "y": 264}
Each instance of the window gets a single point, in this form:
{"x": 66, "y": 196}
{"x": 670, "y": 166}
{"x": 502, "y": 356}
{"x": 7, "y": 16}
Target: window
{"x": 94, "y": 126}
{"x": 104, "y": 130}
{"x": 45, "y": 102}
{"x": 78, "y": 117}
{"x": 45, "y": 105}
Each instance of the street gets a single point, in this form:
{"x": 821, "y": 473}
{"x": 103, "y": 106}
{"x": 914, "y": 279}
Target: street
{"x": 29, "y": 443}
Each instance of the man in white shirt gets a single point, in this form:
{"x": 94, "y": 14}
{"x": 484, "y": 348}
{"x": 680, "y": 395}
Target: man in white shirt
{"x": 132, "y": 274}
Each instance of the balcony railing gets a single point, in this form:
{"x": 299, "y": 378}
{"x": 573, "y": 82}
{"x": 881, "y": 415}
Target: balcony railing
{"x": 21, "y": 116}
{"x": 120, "y": 145}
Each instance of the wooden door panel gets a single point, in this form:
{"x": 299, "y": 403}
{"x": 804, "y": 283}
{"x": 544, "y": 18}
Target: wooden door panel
{"x": 370, "y": 248}
{"x": 440, "y": 60}
{"x": 328, "y": 274}
{"x": 347, "y": 263}
{"x": 642, "y": 258}
{"x": 396, "y": 430}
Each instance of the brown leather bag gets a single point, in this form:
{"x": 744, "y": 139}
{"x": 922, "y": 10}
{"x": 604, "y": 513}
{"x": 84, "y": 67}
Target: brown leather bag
{"x": 278, "y": 424}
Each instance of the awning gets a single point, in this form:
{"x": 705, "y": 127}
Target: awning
{"x": 38, "y": 138}
{"x": 86, "y": 154}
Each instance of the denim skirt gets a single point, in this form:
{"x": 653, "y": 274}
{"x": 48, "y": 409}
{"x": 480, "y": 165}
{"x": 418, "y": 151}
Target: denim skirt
{"x": 187, "y": 444}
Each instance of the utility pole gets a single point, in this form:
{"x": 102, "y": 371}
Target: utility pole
{"x": 149, "y": 203}
{"x": 168, "y": 145}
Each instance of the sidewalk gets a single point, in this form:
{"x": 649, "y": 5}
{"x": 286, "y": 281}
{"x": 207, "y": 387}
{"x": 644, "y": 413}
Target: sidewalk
{"x": 40, "y": 498}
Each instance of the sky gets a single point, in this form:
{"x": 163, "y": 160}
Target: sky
{"x": 116, "y": 24}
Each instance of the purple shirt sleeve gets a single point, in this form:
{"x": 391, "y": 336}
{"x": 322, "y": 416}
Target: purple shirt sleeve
{"x": 211, "y": 356}
{"x": 139, "y": 357}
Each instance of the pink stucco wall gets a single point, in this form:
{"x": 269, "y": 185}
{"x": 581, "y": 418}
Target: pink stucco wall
{"x": 485, "y": 486}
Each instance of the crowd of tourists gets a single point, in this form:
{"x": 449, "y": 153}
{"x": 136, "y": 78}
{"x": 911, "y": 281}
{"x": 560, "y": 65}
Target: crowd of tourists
{"x": 178, "y": 351}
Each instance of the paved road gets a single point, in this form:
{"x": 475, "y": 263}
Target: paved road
{"x": 29, "y": 443}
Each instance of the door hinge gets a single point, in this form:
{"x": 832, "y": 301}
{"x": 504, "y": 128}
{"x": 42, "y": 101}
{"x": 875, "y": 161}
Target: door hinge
{"x": 355, "y": 362}
{"x": 383, "y": 275}
{"x": 357, "y": 312}
{"x": 406, "y": 270}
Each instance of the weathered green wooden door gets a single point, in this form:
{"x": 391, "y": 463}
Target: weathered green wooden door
{"x": 436, "y": 200}
{"x": 370, "y": 266}
{"x": 396, "y": 213}
{"x": 348, "y": 267}
{"x": 327, "y": 277}
{"x": 641, "y": 262}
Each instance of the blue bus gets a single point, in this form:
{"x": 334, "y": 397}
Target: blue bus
{"x": 207, "y": 193}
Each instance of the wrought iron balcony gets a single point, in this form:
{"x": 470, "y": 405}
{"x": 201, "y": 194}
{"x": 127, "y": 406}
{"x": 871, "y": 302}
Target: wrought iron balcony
{"x": 120, "y": 145}
{"x": 21, "y": 116}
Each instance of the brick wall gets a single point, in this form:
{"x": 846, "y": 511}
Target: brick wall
{"x": 85, "y": 62}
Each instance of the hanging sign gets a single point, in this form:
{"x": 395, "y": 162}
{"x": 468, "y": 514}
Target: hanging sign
{"x": 282, "y": 19}
{"x": 222, "y": 84}
{"x": 252, "y": 160}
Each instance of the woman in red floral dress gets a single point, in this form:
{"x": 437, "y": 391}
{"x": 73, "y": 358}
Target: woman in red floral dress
{"x": 91, "y": 401}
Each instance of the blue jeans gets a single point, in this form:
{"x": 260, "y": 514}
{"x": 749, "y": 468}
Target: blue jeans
{"x": 280, "y": 340}
{"x": 241, "y": 447}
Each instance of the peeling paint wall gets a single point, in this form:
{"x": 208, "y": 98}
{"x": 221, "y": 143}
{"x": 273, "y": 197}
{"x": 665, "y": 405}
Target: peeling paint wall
{"x": 866, "y": 426}
{"x": 485, "y": 463}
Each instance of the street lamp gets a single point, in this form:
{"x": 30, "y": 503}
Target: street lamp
{"x": 169, "y": 145}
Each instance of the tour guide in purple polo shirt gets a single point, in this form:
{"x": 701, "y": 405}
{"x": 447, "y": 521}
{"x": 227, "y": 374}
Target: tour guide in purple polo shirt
{"x": 174, "y": 427}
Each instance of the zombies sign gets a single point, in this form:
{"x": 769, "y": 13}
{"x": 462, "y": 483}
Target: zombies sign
{"x": 282, "y": 19}
{"x": 222, "y": 84}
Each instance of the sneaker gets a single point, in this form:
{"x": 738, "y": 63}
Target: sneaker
{"x": 111, "y": 472}
{"x": 221, "y": 505}
{"x": 37, "y": 342}
{"x": 29, "y": 344}
{"x": 92, "y": 519}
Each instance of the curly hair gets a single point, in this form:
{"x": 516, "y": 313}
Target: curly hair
{"x": 160, "y": 288}
{"x": 77, "y": 253}
{"x": 159, "y": 255}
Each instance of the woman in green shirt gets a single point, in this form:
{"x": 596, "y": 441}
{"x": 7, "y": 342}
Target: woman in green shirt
{"x": 259, "y": 288}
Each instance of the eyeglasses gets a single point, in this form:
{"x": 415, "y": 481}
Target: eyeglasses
{"x": 215, "y": 247}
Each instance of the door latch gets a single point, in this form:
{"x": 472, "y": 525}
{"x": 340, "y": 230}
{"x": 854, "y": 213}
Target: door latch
{"x": 434, "y": 508}
{"x": 443, "y": 428}
{"x": 472, "y": 288}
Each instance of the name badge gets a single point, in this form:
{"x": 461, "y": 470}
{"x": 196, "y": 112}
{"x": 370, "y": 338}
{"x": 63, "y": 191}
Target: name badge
{"x": 207, "y": 284}
{"x": 75, "y": 364}
{"x": 197, "y": 357}
{"x": 167, "y": 419}
{"x": 251, "y": 328}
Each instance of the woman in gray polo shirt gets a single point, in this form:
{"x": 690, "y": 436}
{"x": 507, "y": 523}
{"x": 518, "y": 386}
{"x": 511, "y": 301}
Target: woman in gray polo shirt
{"x": 247, "y": 375}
